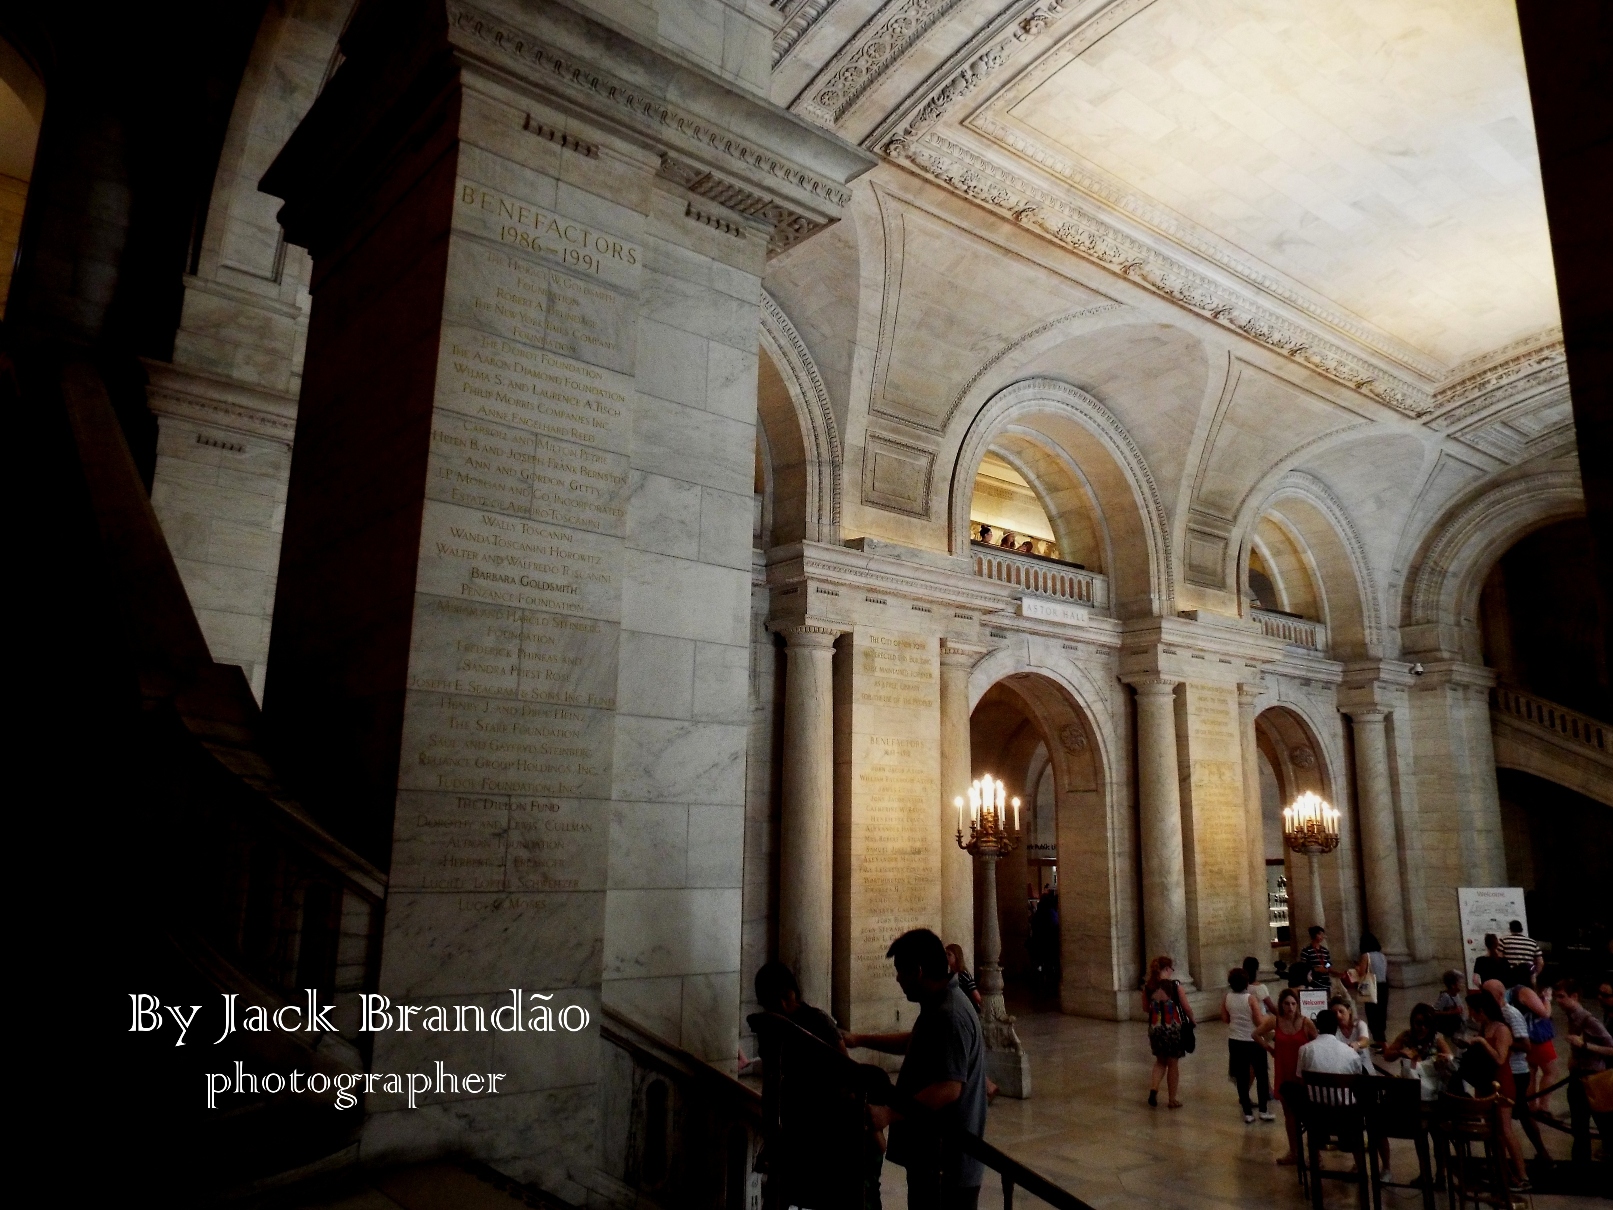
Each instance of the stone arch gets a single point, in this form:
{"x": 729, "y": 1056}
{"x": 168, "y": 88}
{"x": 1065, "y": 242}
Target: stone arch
{"x": 1440, "y": 601}
{"x": 1281, "y": 726}
{"x": 1079, "y": 746}
{"x": 1064, "y": 419}
{"x": 802, "y": 439}
{"x": 1316, "y": 520}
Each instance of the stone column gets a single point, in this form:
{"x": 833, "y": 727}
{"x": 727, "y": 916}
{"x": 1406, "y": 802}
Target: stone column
{"x": 1006, "y": 1061}
{"x": 1379, "y": 841}
{"x": 1259, "y": 906}
{"x": 1164, "y": 878}
{"x": 957, "y": 876}
{"x": 806, "y": 833}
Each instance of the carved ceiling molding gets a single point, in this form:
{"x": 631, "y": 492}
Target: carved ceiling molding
{"x": 1111, "y": 192}
{"x": 872, "y": 50}
{"x": 1502, "y": 383}
{"x": 988, "y": 53}
{"x": 910, "y": 134}
{"x": 1059, "y": 218}
{"x": 652, "y": 115}
{"x": 798, "y": 18}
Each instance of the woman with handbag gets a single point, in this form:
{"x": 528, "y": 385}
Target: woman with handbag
{"x": 1170, "y": 1027}
{"x": 1371, "y": 987}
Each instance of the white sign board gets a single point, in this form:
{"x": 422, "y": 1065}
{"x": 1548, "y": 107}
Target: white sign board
{"x": 1312, "y": 1002}
{"x": 1487, "y": 909}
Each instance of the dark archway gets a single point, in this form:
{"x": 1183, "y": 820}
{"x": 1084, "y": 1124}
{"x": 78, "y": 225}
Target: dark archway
{"x": 1291, "y": 761}
{"x": 1029, "y": 731}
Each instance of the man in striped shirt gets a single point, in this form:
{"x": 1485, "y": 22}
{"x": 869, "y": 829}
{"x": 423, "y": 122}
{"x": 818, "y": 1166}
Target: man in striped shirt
{"x": 1319, "y": 958}
{"x": 1519, "y": 948}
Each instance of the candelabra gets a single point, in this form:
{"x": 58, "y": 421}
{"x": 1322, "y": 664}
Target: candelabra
{"x": 988, "y": 840}
{"x": 1311, "y": 827}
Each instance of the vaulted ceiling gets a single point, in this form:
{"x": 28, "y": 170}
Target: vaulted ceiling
{"x": 1355, "y": 185}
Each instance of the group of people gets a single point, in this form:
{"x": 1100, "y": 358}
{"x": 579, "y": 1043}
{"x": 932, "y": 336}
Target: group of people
{"x": 1493, "y": 1034}
{"x": 943, "y": 1071}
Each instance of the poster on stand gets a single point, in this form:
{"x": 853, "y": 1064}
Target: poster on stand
{"x": 1487, "y": 909}
{"x": 1312, "y": 1002}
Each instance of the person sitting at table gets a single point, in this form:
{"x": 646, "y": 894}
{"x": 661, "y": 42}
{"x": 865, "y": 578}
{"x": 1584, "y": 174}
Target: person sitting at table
{"x": 1422, "y": 1043}
{"x": 1352, "y": 1029}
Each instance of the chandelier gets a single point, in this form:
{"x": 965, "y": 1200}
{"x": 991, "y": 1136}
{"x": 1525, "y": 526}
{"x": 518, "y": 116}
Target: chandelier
{"x": 988, "y": 818}
{"x": 1310, "y": 825}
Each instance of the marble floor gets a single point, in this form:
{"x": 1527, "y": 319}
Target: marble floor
{"x": 1088, "y": 1128}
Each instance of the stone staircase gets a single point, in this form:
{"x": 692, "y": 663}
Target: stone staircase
{"x": 1552, "y": 742}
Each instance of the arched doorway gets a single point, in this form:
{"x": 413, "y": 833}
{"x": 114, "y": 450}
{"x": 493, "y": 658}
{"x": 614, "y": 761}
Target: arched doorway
{"x": 1292, "y": 761}
{"x": 1030, "y": 731}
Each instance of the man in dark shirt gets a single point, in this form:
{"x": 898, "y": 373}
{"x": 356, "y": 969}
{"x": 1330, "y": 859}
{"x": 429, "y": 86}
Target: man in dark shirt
{"x": 1492, "y": 964}
{"x": 1319, "y": 958}
{"x": 944, "y": 1070}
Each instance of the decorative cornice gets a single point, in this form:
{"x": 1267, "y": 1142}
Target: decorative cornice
{"x": 1058, "y": 218}
{"x": 787, "y": 226}
{"x": 1197, "y": 241}
{"x": 652, "y": 115}
{"x": 796, "y": 23}
{"x": 989, "y": 52}
{"x": 872, "y": 50}
{"x": 175, "y": 391}
{"x": 1500, "y": 384}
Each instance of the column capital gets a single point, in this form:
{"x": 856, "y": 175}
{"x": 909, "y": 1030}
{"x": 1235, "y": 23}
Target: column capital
{"x": 1152, "y": 684}
{"x": 956, "y": 654}
{"x": 1249, "y": 692}
{"x": 809, "y": 634}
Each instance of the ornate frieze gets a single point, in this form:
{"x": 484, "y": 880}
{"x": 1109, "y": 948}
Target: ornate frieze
{"x": 794, "y": 198}
{"x": 891, "y": 33}
{"x": 1059, "y": 218}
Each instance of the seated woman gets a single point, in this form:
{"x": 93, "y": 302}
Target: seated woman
{"x": 1351, "y": 1028}
{"x": 1424, "y": 1048}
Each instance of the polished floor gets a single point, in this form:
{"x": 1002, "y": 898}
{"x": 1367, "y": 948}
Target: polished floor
{"x": 1088, "y": 1127}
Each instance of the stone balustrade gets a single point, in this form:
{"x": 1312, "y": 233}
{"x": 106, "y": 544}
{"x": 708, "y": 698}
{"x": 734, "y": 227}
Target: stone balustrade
{"x": 1296, "y": 632}
{"x": 1042, "y": 576}
{"x": 1549, "y": 716}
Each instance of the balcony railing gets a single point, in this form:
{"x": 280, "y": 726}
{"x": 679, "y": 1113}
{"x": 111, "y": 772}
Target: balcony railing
{"x": 1044, "y": 577}
{"x": 1549, "y": 716}
{"x": 1296, "y": 632}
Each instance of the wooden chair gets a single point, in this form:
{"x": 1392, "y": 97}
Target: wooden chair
{"x": 1292, "y": 1095}
{"x": 1473, "y": 1151}
{"x": 1333, "y": 1112}
{"x": 1395, "y": 1111}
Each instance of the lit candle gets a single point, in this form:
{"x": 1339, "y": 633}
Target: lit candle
{"x": 958, "y": 802}
{"x": 1016, "y": 814}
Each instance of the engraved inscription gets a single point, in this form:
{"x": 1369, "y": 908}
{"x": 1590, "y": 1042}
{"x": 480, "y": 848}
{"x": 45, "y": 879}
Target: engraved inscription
{"x": 498, "y": 379}
{"x": 485, "y": 465}
{"x": 575, "y": 244}
{"x": 489, "y": 746}
{"x": 508, "y": 295}
{"x": 484, "y": 556}
{"x": 490, "y": 842}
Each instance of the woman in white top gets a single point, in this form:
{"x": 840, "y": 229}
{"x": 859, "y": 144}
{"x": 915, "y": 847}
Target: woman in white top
{"x": 1245, "y": 1057}
{"x": 1376, "y": 1007}
{"x": 1351, "y": 1028}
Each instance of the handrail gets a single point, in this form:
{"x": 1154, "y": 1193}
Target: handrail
{"x": 1290, "y": 628}
{"x": 882, "y": 1092}
{"x": 1549, "y": 716}
{"x": 1041, "y": 575}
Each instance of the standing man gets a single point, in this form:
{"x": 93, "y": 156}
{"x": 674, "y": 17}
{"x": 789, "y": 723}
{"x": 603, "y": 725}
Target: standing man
{"x": 1319, "y": 958}
{"x": 944, "y": 1070}
{"x": 1520, "y": 949}
{"x": 1592, "y": 1047}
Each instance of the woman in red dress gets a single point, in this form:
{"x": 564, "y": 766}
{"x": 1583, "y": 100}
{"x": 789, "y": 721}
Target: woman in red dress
{"x": 1283, "y": 1035}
